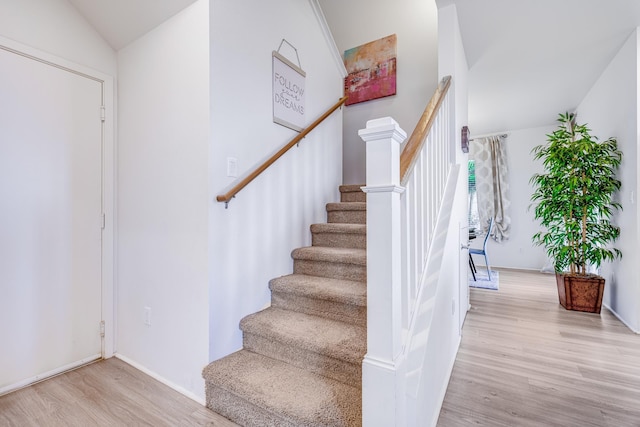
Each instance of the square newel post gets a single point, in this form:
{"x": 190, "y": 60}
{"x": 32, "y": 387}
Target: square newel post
{"x": 382, "y": 394}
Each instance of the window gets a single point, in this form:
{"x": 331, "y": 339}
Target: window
{"x": 474, "y": 218}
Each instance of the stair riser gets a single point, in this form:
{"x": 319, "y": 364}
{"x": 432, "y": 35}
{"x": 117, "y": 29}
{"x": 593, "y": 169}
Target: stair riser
{"x": 353, "y": 196}
{"x": 339, "y": 370}
{"x": 328, "y": 309}
{"x": 240, "y": 410}
{"x": 347, "y": 217}
{"x": 339, "y": 240}
{"x": 330, "y": 269}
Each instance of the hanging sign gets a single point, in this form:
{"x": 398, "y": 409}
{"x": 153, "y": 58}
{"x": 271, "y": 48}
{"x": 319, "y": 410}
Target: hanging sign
{"x": 288, "y": 93}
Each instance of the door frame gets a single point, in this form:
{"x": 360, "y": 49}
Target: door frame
{"x": 108, "y": 177}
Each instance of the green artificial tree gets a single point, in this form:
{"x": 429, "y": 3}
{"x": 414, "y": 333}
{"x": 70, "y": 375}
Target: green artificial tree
{"x": 574, "y": 196}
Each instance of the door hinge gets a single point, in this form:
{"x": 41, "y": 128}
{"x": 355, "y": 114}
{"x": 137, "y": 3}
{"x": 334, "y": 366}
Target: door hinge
{"x": 103, "y": 221}
{"x": 103, "y": 113}
{"x": 102, "y": 328}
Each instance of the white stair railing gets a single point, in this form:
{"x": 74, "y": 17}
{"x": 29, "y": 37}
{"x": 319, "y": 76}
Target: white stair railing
{"x": 406, "y": 222}
{"x": 424, "y": 191}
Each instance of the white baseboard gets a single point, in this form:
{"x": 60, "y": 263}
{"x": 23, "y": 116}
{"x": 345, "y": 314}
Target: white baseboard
{"x": 635, "y": 331}
{"x": 49, "y": 374}
{"x": 514, "y": 269}
{"x": 163, "y": 380}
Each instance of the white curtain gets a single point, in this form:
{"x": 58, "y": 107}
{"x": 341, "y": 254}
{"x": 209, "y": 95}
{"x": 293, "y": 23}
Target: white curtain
{"x": 492, "y": 186}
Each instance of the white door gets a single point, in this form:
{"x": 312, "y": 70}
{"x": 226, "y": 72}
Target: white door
{"x": 50, "y": 219}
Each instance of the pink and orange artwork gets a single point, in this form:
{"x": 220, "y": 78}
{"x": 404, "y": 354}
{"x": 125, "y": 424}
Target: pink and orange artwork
{"x": 371, "y": 70}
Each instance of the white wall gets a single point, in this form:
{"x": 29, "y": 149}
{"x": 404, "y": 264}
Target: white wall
{"x": 163, "y": 194}
{"x": 56, "y": 27}
{"x": 519, "y": 252}
{"x": 356, "y": 22}
{"x": 611, "y": 110}
{"x": 251, "y": 241}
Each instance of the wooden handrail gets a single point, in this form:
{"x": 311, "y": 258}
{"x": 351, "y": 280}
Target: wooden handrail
{"x": 226, "y": 197}
{"x": 418, "y": 137}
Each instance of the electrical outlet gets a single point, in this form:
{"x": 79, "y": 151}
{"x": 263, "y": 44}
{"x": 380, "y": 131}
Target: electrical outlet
{"x": 147, "y": 316}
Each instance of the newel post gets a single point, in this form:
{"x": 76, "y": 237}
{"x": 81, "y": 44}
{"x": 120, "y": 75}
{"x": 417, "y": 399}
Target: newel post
{"x": 382, "y": 398}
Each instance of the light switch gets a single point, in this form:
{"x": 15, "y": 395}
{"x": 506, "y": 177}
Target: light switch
{"x": 232, "y": 167}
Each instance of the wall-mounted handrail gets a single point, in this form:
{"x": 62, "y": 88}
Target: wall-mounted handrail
{"x": 226, "y": 197}
{"x": 416, "y": 140}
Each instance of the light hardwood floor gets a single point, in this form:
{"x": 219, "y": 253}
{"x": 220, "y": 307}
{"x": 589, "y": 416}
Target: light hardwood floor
{"x": 526, "y": 361}
{"x": 105, "y": 393}
{"x": 523, "y": 361}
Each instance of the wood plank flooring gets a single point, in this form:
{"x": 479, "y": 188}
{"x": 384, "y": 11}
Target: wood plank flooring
{"x": 526, "y": 361}
{"x": 105, "y": 393}
{"x": 523, "y": 361}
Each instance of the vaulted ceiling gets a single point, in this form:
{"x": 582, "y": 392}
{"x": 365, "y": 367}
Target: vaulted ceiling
{"x": 530, "y": 60}
{"x": 122, "y": 21}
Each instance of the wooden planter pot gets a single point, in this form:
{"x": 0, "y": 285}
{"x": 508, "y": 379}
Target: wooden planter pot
{"x": 580, "y": 293}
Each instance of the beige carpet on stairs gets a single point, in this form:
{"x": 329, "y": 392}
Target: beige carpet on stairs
{"x": 301, "y": 364}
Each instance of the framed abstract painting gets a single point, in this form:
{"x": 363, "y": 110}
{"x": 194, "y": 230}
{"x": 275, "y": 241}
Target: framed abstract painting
{"x": 371, "y": 70}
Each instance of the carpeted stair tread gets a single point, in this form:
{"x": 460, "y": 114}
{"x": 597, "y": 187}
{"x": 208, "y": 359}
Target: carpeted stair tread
{"x": 337, "y": 263}
{"x": 347, "y": 212}
{"x": 339, "y": 235}
{"x": 346, "y": 206}
{"x": 260, "y": 391}
{"x": 351, "y": 188}
{"x": 339, "y": 228}
{"x": 337, "y": 299}
{"x": 322, "y": 288}
{"x": 328, "y": 254}
{"x": 352, "y": 193}
{"x": 330, "y": 338}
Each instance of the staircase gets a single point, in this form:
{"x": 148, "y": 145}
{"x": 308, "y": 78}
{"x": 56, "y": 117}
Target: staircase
{"x": 301, "y": 364}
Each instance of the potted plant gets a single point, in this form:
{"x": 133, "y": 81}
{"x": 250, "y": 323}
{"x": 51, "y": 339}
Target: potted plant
{"x": 573, "y": 201}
